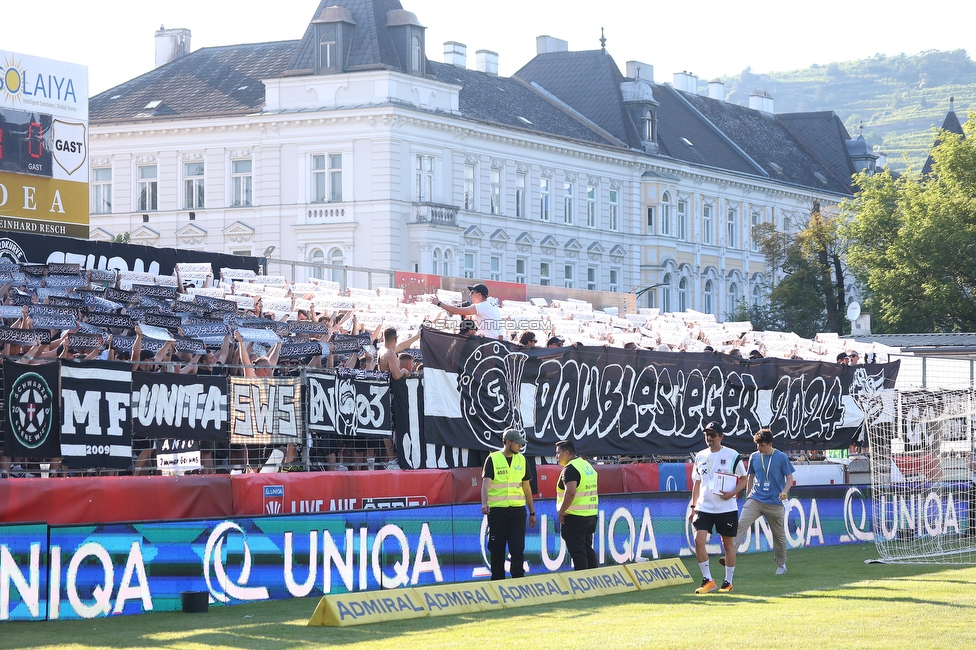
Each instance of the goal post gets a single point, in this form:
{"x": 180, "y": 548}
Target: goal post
{"x": 921, "y": 448}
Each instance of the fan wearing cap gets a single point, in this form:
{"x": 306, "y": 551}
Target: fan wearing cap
{"x": 718, "y": 475}
{"x": 485, "y": 315}
{"x": 505, "y": 492}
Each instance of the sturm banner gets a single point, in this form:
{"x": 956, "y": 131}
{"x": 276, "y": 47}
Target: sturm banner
{"x": 181, "y": 407}
{"x": 96, "y": 430}
{"x": 611, "y": 401}
{"x": 349, "y": 404}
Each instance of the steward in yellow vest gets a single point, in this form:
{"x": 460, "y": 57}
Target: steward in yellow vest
{"x": 505, "y": 492}
{"x": 577, "y": 505}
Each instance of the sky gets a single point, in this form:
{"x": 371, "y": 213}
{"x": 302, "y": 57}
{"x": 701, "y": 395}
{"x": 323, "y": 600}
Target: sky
{"x": 115, "y": 38}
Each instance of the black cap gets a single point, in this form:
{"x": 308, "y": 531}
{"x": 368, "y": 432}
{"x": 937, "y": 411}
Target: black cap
{"x": 479, "y": 288}
{"x": 755, "y": 354}
{"x": 555, "y": 340}
{"x": 715, "y": 427}
{"x": 841, "y": 355}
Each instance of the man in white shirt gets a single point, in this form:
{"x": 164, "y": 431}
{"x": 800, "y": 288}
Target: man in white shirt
{"x": 719, "y": 474}
{"x": 486, "y": 316}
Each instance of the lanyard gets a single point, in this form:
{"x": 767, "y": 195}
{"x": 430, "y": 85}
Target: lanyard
{"x": 765, "y": 466}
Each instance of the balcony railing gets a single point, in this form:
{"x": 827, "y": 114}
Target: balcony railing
{"x": 435, "y": 213}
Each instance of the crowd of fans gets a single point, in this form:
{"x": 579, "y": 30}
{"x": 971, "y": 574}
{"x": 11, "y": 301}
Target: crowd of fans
{"x": 239, "y": 323}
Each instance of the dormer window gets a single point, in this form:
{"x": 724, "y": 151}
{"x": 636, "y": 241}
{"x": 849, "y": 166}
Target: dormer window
{"x": 327, "y": 51}
{"x": 417, "y": 54}
{"x": 648, "y": 128}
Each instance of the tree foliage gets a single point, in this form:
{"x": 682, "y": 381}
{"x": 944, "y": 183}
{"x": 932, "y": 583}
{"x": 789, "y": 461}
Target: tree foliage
{"x": 810, "y": 298}
{"x": 911, "y": 241}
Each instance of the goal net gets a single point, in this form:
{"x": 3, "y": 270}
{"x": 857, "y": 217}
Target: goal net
{"x": 922, "y": 448}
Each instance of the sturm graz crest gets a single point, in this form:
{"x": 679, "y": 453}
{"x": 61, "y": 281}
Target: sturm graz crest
{"x": 29, "y": 410}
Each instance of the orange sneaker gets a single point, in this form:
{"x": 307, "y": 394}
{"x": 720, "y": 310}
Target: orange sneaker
{"x": 726, "y": 587}
{"x": 707, "y": 585}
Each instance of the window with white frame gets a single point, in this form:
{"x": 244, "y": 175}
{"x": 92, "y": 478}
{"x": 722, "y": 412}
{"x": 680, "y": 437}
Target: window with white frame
{"x": 101, "y": 190}
{"x": 650, "y": 220}
{"x": 756, "y": 295}
{"x": 544, "y": 199}
{"x": 682, "y": 225}
{"x": 590, "y": 206}
{"x": 435, "y": 261}
{"x": 545, "y": 273}
{"x": 148, "y": 188}
{"x": 707, "y": 225}
{"x": 241, "y": 183}
{"x": 521, "y": 270}
{"x": 613, "y": 207}
{"x": 317, "y": 256}
{"x": 327, "y": 178}
{"x": 708, "y": 297}
{"x": 666, "y": 293}
{"x": 520, "y": 192}
{"x": 327, "y": 48}
{"x": 683, "y": 294}
{"x": 666, "y": 214}
{"x": 756, "y": 220}
{"x": 568, "y": 216}
{"x": 193, "y": 178}
{"x": 470, "y": 262}
{"x": 424, "y": 177}
{"x": 732, "y": 298}
{"x": 733, "y": 228}
{"x": 614, "y": 286}
{"x": 592, "y": 275}
{"x": 469, "y": 198}
{"x": 495, "y": 273}
{"x": 496, "y": 191}
{"x": 448, "y": 263}
{"x": 569, "y": 275}
{"x": 416, "y": 55}
{"x": 336, "y": 258}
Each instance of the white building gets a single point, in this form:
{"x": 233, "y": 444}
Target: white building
{"x": 350, "y": 146}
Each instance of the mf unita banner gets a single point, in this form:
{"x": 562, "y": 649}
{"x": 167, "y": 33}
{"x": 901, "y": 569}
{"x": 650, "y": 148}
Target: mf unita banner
{"x": 611, "y": 401}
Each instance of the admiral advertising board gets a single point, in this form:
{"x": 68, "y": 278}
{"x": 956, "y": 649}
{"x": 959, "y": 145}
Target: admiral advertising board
{"x": 43, "y": 146}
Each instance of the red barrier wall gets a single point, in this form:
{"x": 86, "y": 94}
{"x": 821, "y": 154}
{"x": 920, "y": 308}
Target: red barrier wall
{"x": 114, "y": 498}
{"x": 640, "y": 477}
{"x": 256, "y": 494}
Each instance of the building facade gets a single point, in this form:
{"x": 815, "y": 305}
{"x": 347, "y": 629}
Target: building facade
{"x": 351, "y": 147}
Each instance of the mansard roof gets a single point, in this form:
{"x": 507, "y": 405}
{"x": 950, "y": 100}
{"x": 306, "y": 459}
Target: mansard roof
{"x": 823, "y": 133}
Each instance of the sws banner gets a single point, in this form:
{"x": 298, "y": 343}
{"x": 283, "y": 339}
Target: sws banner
{"x": 96, "y": 430}
{"x": 180, "y": 407}
{"x": 349, "y": 403}
{"x": 612, "y": 401}
{"x": 266, "y": 411}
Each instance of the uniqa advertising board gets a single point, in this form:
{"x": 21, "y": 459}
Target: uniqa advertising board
{"x": 92, "y": 571}
{"x": 43, "y": 146}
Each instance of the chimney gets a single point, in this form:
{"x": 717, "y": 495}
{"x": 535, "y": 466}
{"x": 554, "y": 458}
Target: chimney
{"x": 760, "y": 100}
{"x": 716, "y": 89}
{"x": 487, "y": 61}
{"x": 171, "y": 44}
{"x": 642, "y": 71}
{"x": 546, "y": 44}
{"x": 456, "y": 54}
{"x": 686, "y": 81}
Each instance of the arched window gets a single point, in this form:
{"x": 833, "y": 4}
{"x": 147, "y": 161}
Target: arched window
{"x": 666, "y": 214}
{"x": 417, "y": 55}
{"x": 448, "y": 262}
{"x": 317, "y": 257}
{"x": 666, "y": 294}
{"x": 435, "y": 261}
{"x": 707, "y": 297}
{"x": 733, "y": 300}
{"x": 756, "y": 295}
{"x": 336, "y": 258}
{"x": 327, "y": 51}
{"x": 683, "y": 294}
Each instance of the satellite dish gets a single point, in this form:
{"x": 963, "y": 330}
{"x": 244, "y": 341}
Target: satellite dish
{"x": 853, "y": 311}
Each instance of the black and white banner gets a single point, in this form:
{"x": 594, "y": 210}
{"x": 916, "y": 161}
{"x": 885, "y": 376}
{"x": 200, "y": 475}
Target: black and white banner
{"x": 349, "y": 403}
{"x": 413, "y": 449}
{"x": 179, "y": 407}
{"x": 32, "y": 408}
{"x": 176, "y": 456}
{"x": 611, "y": 401}
{"x": 266, "y": 411}
{"x": 96, "y": 430}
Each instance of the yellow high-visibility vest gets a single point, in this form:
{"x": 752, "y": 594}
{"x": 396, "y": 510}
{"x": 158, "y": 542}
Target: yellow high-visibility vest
{"x": 505, "y": 490}
{"x": 586, "y": 500}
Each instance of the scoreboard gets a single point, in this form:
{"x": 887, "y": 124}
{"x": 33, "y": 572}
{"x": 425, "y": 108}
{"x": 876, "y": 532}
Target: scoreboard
{"x": 25, "y": 143}
{"x": 43, "y": 146}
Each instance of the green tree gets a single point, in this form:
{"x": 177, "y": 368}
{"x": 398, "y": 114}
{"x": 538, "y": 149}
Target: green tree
{"x": 811, "y": 296}
{"x": 911, "y": 241}
{"x": 121, "y": 238}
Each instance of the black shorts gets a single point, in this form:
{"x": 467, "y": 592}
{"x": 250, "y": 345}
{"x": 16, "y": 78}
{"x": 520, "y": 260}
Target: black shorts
{"x": 725, "y": 524}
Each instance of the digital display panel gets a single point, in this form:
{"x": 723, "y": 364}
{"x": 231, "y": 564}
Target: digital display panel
{"x": 26, "y": 143}
{"x": 23, "y": 572}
